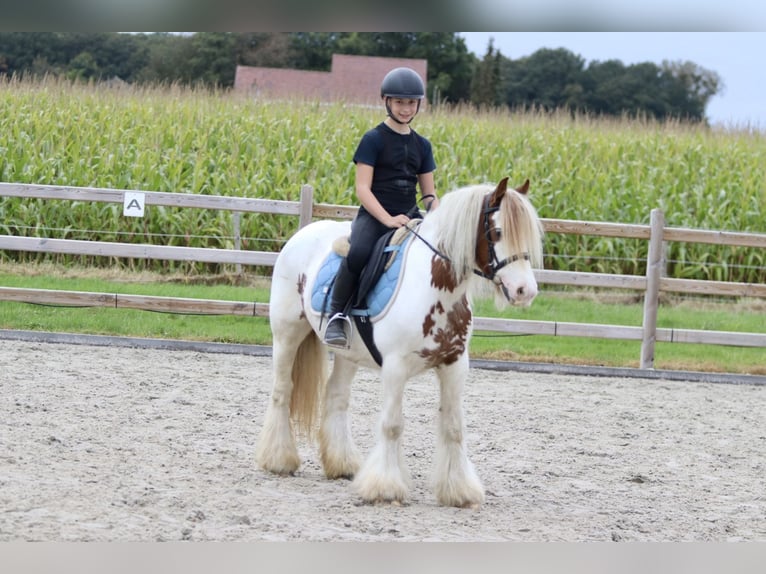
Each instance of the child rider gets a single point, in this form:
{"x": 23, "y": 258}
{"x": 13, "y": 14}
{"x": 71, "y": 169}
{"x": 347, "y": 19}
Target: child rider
{"x": 391, "y": 161}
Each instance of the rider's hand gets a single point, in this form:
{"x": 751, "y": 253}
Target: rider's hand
{"x": 397, "y": 221}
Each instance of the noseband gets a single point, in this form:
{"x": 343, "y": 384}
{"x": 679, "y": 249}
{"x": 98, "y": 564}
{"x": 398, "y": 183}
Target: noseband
{"x": 493, "y": 235}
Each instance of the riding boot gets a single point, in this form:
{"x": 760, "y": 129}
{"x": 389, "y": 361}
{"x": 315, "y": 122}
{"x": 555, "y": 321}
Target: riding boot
{"x": 345, "y": 283}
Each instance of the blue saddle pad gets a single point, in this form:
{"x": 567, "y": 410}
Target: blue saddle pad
{"x": 378, "y": 297}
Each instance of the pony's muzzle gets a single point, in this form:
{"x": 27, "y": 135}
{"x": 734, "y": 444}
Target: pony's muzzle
{"x": 520, "y": 293}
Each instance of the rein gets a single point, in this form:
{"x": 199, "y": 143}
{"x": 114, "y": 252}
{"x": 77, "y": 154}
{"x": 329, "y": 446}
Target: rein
{"x": 431, "y": 247}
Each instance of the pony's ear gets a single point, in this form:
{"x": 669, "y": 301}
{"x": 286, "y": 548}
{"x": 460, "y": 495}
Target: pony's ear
{"x": 524, "y": 188}
{"x": 499, "y": 193}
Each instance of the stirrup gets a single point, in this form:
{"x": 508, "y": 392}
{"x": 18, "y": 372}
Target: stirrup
{"x": 340, "y": 343}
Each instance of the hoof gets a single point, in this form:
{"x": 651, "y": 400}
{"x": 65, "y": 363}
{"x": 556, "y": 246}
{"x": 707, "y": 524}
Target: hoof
{"x": 343, "y": 476}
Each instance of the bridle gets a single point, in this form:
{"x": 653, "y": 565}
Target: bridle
{"x": 493, "y": 235}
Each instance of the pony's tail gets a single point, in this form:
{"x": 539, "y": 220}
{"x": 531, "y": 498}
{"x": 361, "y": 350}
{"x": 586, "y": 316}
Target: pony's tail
{"x": 309, "y": 377}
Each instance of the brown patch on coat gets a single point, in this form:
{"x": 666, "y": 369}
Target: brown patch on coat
{"x": 442, "y": 274}
{"x": 301, "y": 288}
{"x": 482, "y": 249}
{"x": 430, "y": 322}
{"x": 450, "y": 340}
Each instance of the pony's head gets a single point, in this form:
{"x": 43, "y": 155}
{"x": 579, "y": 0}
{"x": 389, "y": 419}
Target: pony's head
{"x": 509, "y": 243}
{"x": 504, "y": 245}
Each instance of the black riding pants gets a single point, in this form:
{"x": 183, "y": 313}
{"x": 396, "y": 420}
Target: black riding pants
{"x": 365, "y": 231}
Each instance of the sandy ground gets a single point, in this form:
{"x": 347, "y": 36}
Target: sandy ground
{"x": 115, "y": 444}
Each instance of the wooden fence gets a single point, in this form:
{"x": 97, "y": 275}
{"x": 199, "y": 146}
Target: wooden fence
{"x": 652, "y": 284}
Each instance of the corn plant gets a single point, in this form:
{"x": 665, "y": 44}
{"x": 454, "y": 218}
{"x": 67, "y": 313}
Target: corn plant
{"x": 173, "y": 139}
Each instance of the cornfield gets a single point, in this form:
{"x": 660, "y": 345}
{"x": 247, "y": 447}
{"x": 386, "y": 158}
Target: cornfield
{"x": 172, "y": 139}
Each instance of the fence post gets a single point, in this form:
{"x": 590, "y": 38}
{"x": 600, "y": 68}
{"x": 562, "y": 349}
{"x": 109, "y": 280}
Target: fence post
{"x": 654, "y": 269}
{"x": 237, "y": 216}
{"x": 307, "y": 205}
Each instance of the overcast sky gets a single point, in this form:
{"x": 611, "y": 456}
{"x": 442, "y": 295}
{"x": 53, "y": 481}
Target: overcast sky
{"x": 737, "y": 57}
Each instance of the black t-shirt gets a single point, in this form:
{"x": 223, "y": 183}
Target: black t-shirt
{"x": 397, "y": 160}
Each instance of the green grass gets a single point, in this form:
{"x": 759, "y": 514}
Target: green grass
{"x": 562, "y": 306}
{"x": 130, "y": 322}
{"x": 614, "y": 309}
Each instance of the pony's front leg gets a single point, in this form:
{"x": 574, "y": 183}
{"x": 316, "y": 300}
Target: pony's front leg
{"x": 340, "y": 458}
{"x": 383, "y": 477}
{"x": 456, "y": 481}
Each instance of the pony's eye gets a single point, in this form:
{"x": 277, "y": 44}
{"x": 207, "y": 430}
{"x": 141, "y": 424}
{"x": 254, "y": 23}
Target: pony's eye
{"x": 495, "y": 234}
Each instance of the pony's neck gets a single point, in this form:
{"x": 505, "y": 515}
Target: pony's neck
{"x": 436, "y": 225}
{"x": 452, "y": 228}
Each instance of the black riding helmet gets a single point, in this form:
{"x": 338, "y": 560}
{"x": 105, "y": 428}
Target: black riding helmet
{"x": 402, "y": 83}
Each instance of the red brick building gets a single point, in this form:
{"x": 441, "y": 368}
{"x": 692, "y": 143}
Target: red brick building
{"x": 354, "y": 79}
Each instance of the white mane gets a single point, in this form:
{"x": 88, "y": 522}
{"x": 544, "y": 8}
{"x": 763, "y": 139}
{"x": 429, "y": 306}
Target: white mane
{"x": 456, "y": 219}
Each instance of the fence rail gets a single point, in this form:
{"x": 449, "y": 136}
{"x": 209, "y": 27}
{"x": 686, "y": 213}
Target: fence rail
{"x": 651, "y": 285}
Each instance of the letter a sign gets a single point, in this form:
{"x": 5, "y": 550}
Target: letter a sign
{"x": 133, "y": 204}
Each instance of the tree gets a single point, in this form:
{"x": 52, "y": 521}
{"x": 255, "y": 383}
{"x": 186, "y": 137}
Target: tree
{"x": 121, "y": 56}
{"x": 271, "y": 50}
{"x": 213, "y": 59}
{"x": 19, "y": 50}
{"x": 485, "y": 85}
{"x": 695, "y": 87}
{"x": 382, "y": 44}
{"x": 548, "y": 79}
{"x": 83, "y": 67}
{"x": 646, "y": 89}
{"x": 601, "y": 87}
{"x": 166, "y": 56}
{"x": 313, "y": 50}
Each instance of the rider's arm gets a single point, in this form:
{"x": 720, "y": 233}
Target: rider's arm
{"x": 428, "y": 190}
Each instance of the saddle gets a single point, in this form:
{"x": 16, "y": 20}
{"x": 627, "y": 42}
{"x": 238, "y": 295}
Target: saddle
{"x": 377, "y": 283}
{"x": 382, "y": 257}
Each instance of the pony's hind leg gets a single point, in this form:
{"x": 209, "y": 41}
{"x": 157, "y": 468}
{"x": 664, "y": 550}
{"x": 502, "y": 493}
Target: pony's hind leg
{"x": 384, "y": 477}
{"x": 456, "y": 481}
{"x": 339, "y": 455}
{"x": 276, "y": 450}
